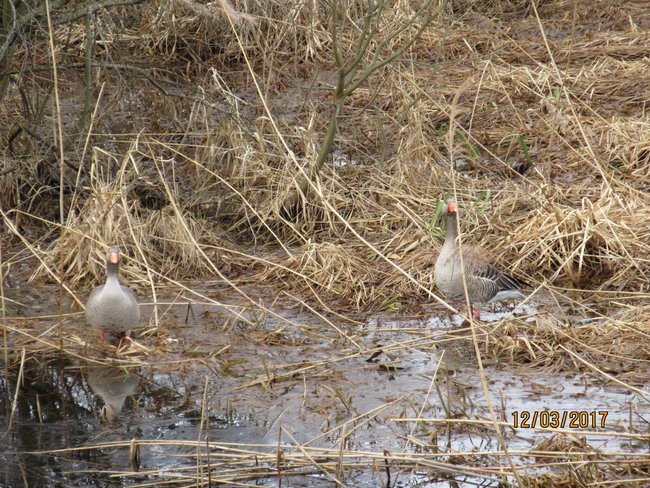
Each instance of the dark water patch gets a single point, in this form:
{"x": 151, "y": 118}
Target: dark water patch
{"x": 97, "y": 406}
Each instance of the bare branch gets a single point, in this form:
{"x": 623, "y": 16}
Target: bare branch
{"x": 90, "y": 8}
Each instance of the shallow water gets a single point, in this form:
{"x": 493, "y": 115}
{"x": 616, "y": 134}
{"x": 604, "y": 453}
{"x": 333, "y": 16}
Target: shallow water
{"x": 253, "y": 378}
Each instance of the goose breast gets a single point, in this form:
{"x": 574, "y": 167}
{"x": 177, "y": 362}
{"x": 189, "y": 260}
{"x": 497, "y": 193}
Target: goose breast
{"x": 113, "y": 309}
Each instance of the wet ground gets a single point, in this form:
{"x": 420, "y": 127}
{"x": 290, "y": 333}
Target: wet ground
{"x": 249, "y": 380}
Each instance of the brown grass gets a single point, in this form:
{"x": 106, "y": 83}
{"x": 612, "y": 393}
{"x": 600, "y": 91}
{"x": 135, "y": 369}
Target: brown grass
{"x": 200, "y": 136}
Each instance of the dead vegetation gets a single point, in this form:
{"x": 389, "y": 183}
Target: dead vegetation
{"x": 193, "y": 136}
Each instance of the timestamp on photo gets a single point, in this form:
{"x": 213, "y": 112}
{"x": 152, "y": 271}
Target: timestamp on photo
{"x": 572, "y": 419}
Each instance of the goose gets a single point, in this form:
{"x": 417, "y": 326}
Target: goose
{"x": 112, "y": 308}
{"x": 485, "y": 282}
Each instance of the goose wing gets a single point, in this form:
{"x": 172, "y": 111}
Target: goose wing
{"x": 500, "y": 281}
{"x": 487, "y": 279}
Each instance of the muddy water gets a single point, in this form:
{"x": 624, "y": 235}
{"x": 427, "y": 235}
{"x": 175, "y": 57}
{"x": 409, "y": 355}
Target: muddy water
{"x": 266, "y": 378}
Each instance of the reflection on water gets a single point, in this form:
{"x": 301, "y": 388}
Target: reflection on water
{"x": 113, "y": 385}
{"x": 308, "y": 382}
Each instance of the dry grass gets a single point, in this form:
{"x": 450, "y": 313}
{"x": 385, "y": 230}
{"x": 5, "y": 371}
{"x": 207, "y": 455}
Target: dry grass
{"x": 201, "y": 132}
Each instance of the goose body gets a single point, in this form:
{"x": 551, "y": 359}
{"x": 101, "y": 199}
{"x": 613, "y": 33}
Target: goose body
{"x": 112, "y": 308}
{"x": 485, "y": 282}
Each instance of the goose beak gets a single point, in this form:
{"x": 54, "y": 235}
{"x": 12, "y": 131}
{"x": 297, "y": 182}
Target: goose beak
{"x": 452, "y": 206}
{"x": 114, "y": 258}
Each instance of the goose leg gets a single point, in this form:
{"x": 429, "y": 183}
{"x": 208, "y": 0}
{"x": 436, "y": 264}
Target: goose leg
{"x": 477, "y": 313}
{"x": 102, "y": 338}
{"x": 127, "y": 338}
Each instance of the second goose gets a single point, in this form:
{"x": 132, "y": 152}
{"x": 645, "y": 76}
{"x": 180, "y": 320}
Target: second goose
{"x": 485, "y": 282}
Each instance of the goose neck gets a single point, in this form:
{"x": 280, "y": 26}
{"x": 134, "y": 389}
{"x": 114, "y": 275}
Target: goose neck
{"x": 451, "y": 221}
{"x": 113, "y": 272}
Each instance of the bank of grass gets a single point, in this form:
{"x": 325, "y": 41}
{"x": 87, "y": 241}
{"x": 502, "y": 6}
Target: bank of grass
{"x": 537, "y": 116}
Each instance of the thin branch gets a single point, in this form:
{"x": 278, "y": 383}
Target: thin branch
{"x": 376, "y": 65}
{"x": 90, "y": 8}
{"x": 11, "y": 32}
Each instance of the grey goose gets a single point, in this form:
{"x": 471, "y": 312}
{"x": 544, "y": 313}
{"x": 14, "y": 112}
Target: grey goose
{"x": 485, "y": 282}
{"x": 112, "y": 308}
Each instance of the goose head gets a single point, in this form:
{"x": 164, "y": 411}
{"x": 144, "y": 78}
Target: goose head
{"x": 451, "y": 215}
{"x": 450, "y": 207}
{"x": 113, "y": 260}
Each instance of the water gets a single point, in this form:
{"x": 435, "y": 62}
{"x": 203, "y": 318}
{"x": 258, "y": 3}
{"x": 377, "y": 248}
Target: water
{"x": 251, "y": 383}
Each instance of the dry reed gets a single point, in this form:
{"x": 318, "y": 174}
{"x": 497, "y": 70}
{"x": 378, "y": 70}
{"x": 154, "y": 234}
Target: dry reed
{"x": 191, "y": 168}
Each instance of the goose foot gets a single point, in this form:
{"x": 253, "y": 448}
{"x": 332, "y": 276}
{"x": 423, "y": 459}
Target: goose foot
{"x": 128, "y": 342}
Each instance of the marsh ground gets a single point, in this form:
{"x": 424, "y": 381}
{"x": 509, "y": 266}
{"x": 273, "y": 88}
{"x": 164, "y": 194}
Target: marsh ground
{"x": 292, "y": 334}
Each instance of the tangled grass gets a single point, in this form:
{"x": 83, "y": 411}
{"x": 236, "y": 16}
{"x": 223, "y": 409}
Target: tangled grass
{"x": 204, "y": 122}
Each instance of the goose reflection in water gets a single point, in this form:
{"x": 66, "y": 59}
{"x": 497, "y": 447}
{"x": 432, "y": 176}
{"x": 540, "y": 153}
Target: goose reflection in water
{"x": 113, "y": 385}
